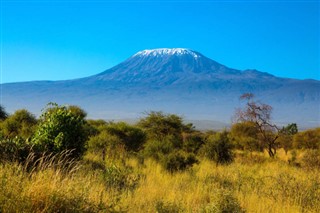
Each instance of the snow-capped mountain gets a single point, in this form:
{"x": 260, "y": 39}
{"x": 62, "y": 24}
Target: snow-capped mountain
{"x": 175, "y": 80}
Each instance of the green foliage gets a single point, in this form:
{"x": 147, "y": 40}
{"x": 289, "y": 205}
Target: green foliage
{"x": 157, "y": 149}
{"x": 61, "y": 128}
{"x": 104, "y": 144}
{"x": 159, "y": 125}
{"x": 193, "y": 141}
{"x": 3, "y": 113}
{"x": 245, "y": 136}
{"x": 131, "y": 137}
{"x": 14, "y": 150}
{"x": 309, "y": 139}
{"x": 170, "y": 141}
{"x": 290, "y": 129}
{"x": 218, "y": 148}
{"x": 286, "y": 136}
{"x": 122, "y": 179}
{"x": 178, "y": 161}
{"x": 94, "y": 127}
{"x": 21, "y": 124}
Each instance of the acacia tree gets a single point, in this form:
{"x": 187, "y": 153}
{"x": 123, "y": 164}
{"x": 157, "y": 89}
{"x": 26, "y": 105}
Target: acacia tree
{"x": 260, "y": 114}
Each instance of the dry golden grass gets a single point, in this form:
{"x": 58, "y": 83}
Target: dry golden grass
{"x": 264, "y": 185}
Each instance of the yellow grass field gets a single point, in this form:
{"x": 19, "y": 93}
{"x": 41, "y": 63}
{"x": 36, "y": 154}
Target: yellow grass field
{"x": 251, "y": 184}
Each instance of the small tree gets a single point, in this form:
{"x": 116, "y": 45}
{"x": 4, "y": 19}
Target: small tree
{"x": 260, "y": 115}
{"x": 159, "y": 125}
{"x": 60, "y": 128}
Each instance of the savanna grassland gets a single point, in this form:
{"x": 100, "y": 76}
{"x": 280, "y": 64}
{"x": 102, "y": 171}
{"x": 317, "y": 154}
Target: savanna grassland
{"x": 63, "y": 162}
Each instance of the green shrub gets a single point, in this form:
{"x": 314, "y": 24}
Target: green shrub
{"x": 178, "y": 161}
{"x": 156, "y": 149}
{"x": 61, "y": 128}
{"x": 20, "y": 124}
{"x": 14, "y": 150}
{"x": 218, "y": 148}
{"x": 131, "y": 137}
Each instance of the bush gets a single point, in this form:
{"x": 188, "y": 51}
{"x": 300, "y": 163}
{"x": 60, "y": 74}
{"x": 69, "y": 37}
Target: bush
{"x": 156, "y": 149}
{"x": 178, "y": 161}
{"x": 309, "y": 139}
{"x": 311, "y": 159}
{"x": 61, "y": 128}
{"x": 14, "y": 150}
{"x": 104, "y": 144}
{"x": 130, "y": 136}
{"x": 20, "y": 124}
{"x": 120, "y": 178}
{"x": 218, "y": 148}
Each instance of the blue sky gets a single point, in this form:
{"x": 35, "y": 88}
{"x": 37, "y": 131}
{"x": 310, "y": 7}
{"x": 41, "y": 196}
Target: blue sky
{"x": 56, "y": 40}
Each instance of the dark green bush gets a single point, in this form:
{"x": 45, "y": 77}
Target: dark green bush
{"x": 14, "y": 150}
{"x": 156, "y": 149}
{"x": 218, "y": 148}
{"x": 130, "y": 136}
{"x": 178, "y": 161}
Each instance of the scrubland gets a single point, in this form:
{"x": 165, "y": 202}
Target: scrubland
{"x": 253, "y": 183}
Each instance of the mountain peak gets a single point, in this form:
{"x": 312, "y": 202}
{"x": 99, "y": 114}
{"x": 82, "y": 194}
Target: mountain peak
{"x": 168, "y": 51}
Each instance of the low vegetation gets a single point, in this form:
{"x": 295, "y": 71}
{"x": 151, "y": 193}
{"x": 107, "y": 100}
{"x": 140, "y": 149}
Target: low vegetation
{"x": 63, "y": 162}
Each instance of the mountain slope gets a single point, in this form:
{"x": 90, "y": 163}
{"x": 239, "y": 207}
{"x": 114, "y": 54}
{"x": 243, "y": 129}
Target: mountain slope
{"x": 173, "y": 80}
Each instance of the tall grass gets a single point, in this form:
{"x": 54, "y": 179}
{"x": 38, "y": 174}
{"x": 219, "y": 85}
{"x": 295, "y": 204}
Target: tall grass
{"x": 56, "y": 184}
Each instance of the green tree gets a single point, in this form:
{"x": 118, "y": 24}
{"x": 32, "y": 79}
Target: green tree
{"x": 61, "y": 128}
{"x": 20, "y": 124}
{"x": 218, "y": 148}
{"x": 159, "y": 125}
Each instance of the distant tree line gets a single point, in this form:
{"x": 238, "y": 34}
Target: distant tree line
{"x": 159, "y": 136}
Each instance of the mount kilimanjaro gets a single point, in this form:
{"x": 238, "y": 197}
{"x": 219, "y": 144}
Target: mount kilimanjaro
{"x": 176, "y": 80}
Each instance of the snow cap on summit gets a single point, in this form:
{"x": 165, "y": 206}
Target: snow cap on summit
{"x": 168, "y": 51}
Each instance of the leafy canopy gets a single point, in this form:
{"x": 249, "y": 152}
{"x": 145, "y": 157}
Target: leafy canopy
{"x": 61, "y": 128}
